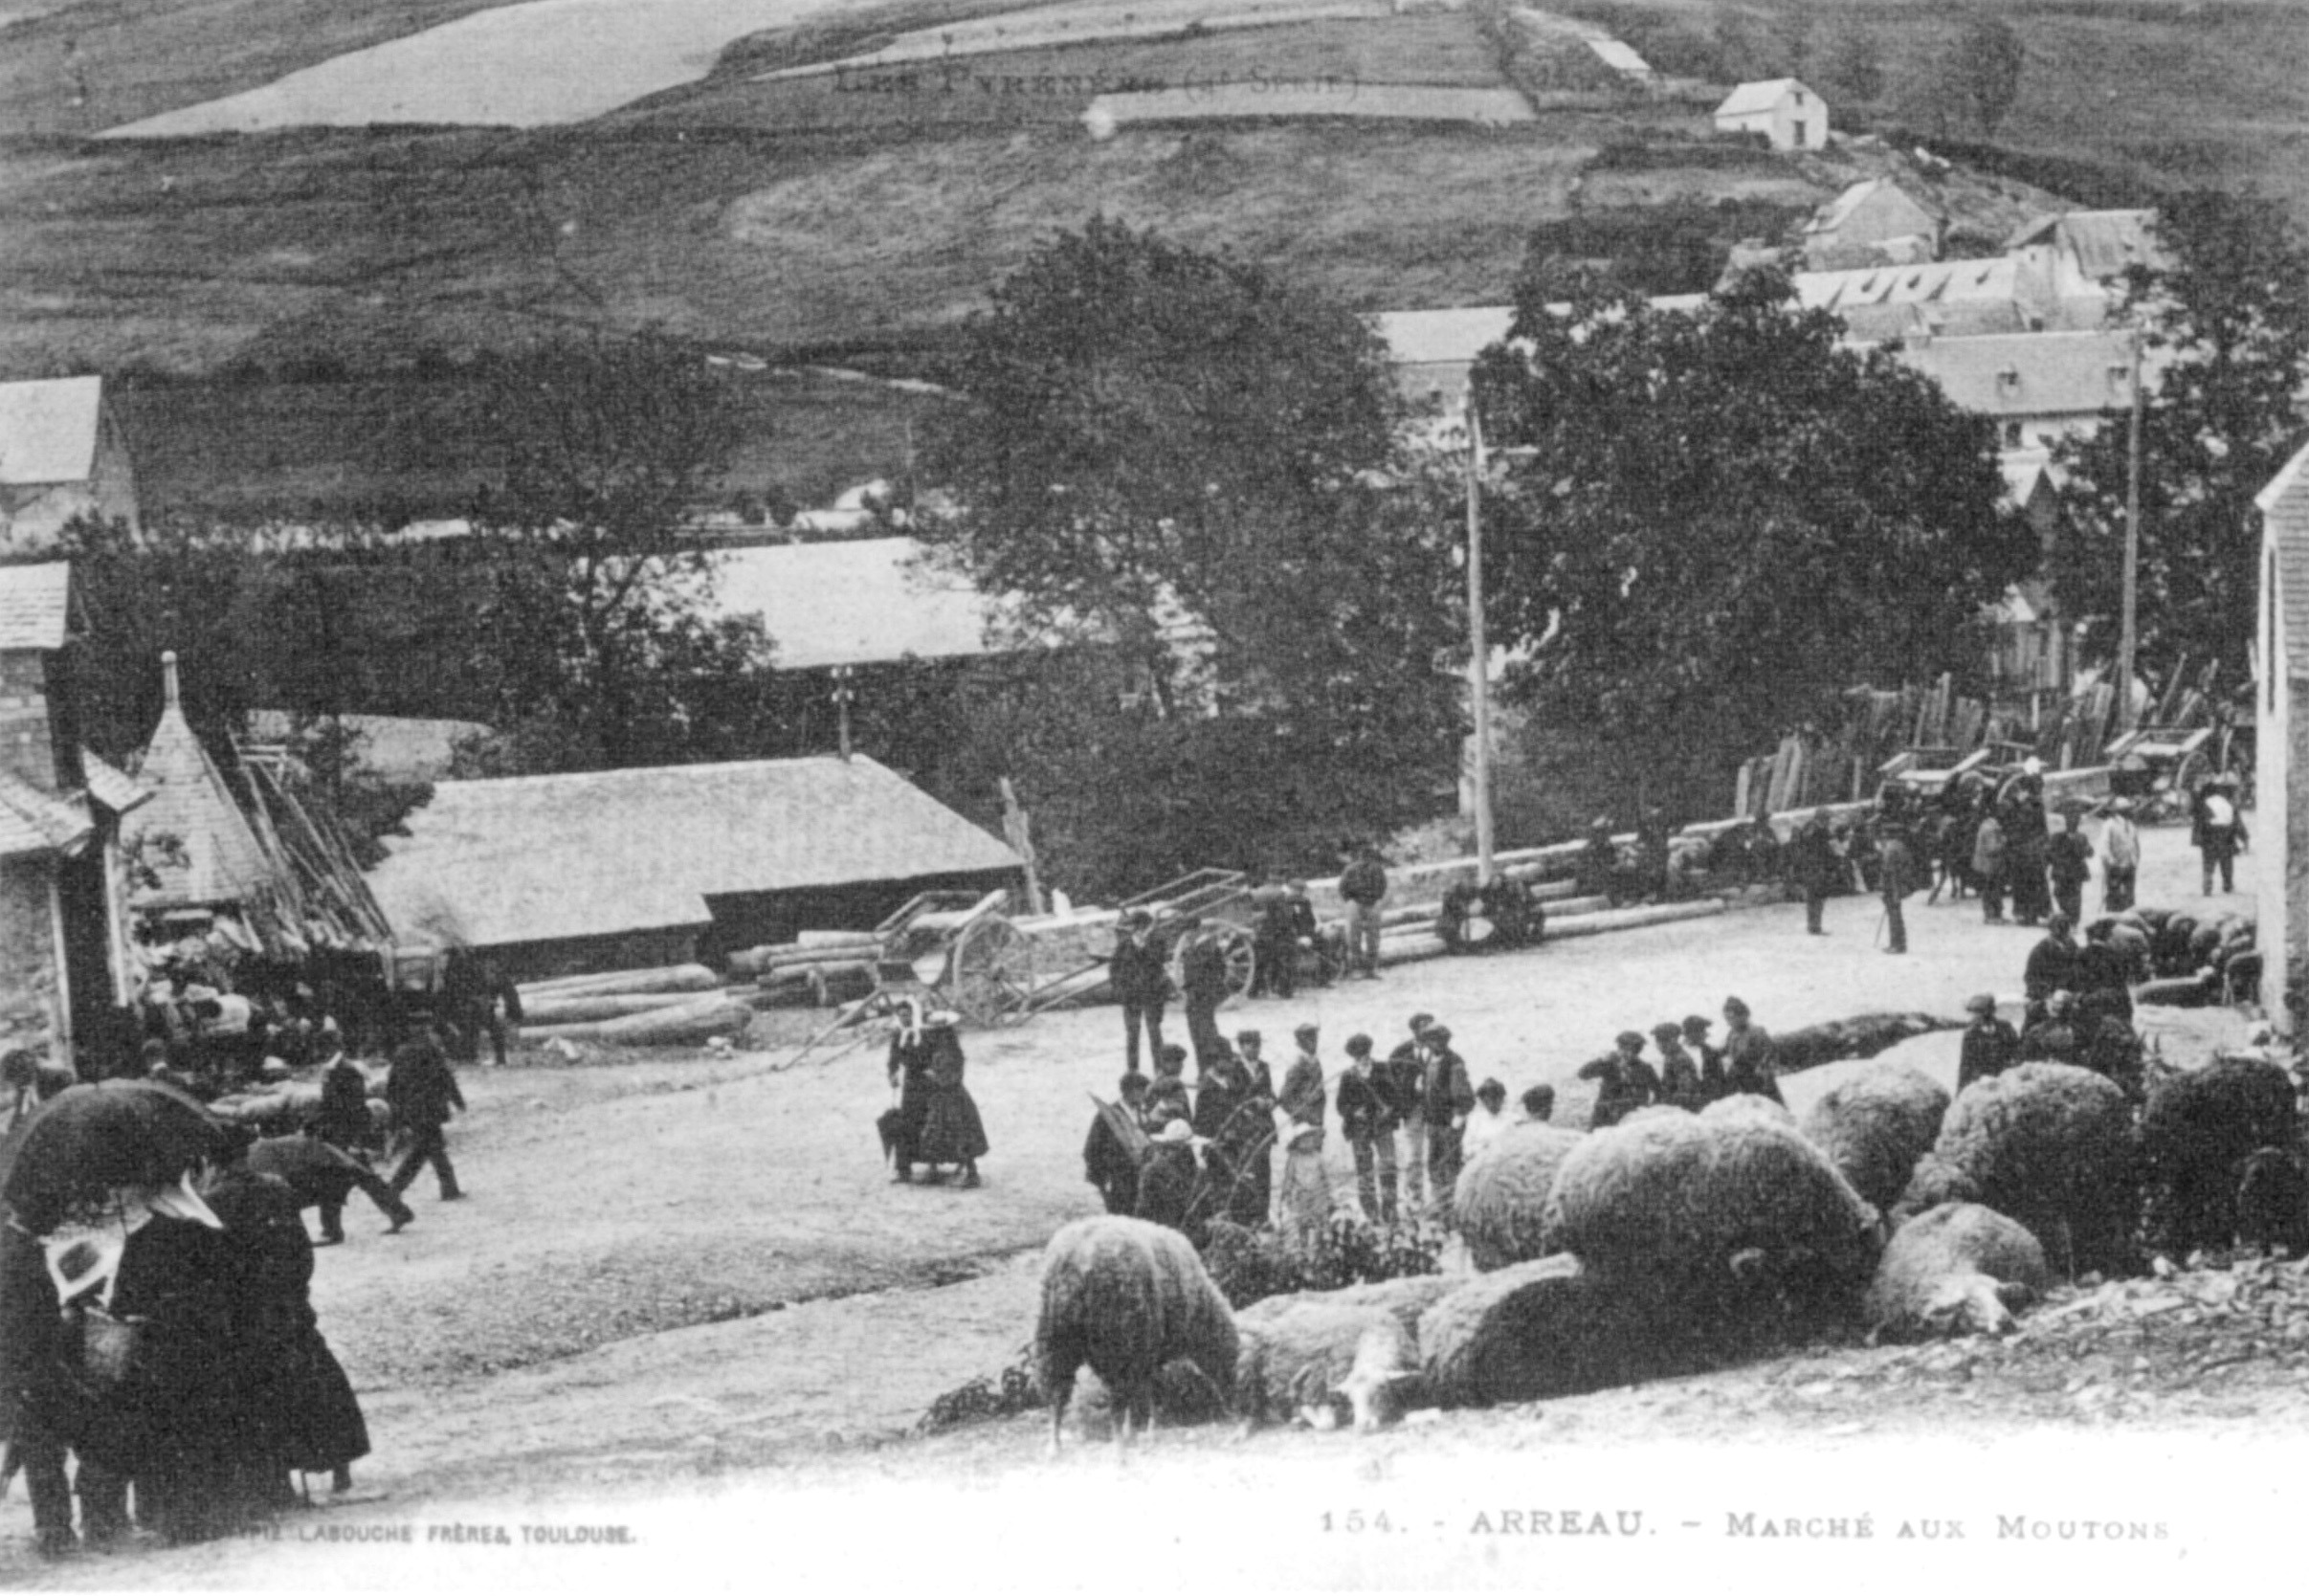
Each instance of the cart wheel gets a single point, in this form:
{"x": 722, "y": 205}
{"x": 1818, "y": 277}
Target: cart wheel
{"x": 1241, "y": 953}
{"x": 991, "y": 972}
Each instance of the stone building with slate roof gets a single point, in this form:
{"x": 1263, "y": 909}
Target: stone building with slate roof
{"x": 2280, "y": 841}
{"x": 66, "y": 974}
{"x": 616, "y": 869}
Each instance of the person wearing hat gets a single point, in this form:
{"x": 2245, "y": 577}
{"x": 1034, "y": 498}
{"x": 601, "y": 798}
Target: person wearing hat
{"x": 1305, "y": 1198}
{"x": 2120, "y": 857}
{"x": 2216, "y": 830}
{"x": 344, "y": 1119}
{"x": 2025, "y": 841}
{"x": 1203, "y": 984}
{"x": 1897, "y": 875}
{"x": 1989, "y": 1048}
{"x": 1538, "y": 1105}
{"x": 952, "y": 1131}
{"x": 1625, "y": 1082}
{"x": 1489, "y": 1121}
{"x": 1235, "y": 1118}
{"x": 1710, "y": 1057}
{"x": 1108, "y": 1163}
{"x": 1367, "y": 1119}
{"x": 2052, "y": 965}
{"x": 1597, "y": 873}
{"x": 2104, "y": 972}
{"x": 1990, "y": 862}
{"x": 1679, "y": 1082}
{"x": 1248, "y": 1046}
{"x": 1139, "y": 974}
{"x": 1751, "y": 1059}
{"x": 1443, "y": 1110}
{"x": 1173, "y": 1187}
{"x": 1166, "y": 1100}
{"x": 1816, "y": 867}
{"x": 1404, "y": 1076}
{"x": 2069, "y": 856}
{"x": 2054, "y": 1038}
{"x": 1363, "y": 886}
{"x": 422, "y": 1092}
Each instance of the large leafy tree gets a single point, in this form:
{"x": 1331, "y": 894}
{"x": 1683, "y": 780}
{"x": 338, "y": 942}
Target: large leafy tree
{"x": 1195, "y": 468}
{"x": 1710, "y": 523}
{"x": 2223, "y": 320}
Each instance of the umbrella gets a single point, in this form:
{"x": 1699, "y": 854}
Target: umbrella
{"x": 89, "y": 1142}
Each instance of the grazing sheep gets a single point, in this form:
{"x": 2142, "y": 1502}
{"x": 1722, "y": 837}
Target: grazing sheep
{"x": 1875, "y": 1126}
{"x": 1748, "y": 1105}
{"x": 1405, "y": 1297}
{"x": 1544, "y": 1328}
{"x": 2196, "y": 1134}
{"x": 2049, "y": 1144}
{"x": 1958, "y": 1269}
{"x": 1501, "y": 1197}
{"x": 1315, "y": 1358}
{"x": 2273, "y": 1202}
{"x": 1705, "y": 1221}
{"x": 1128, "y": 1297}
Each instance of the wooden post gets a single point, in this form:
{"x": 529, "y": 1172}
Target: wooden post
{"x": 2126, "y": 638}
{"x": 1478, "y": 667}
{"x": 1016, "y": 830}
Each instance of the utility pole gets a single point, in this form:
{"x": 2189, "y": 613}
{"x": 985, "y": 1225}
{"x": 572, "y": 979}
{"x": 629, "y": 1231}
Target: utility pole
{"x": 2127, "y": 635}
{"x": 843, "y": 692}
{"x": 1478, "y": 660}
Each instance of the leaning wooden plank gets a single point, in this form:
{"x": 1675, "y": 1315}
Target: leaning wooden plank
{"x": 666, "y": 978}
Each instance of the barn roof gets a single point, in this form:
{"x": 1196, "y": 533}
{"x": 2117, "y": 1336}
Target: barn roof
{"x": 865, "y": 601}
{"x": 2103, "y": 242}
{"x": 35, "y": 606}
{"x": 540, "y": 859}
{"x": 48, "y": 430}
{"x": 1841, "y": 210}
{"x": 1750, "y": 98}
{"x": 2284, "y": 506}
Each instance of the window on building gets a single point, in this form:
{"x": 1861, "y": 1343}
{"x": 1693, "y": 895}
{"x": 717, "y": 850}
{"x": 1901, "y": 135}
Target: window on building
{"x": 2013, "y": 438}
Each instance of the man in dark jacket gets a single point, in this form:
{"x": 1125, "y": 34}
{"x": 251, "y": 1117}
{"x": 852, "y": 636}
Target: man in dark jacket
{"x": 2054, "y": 1038}
{"x": 319, "y": 1175}
{"x": 1623, "y": 1081}
{"x": 1203, "y": 982}
{"x": 1895, "y": 874}
{"x": 1403, "y": 1079}
{"x": 1142, "y": 983}
{"x": 1751, "y": 1060}
{"x": 1367, "y": 1119}
{"x": 344, "y": 1119}
{"x": 2069, "y": 856}
{"x": 422, "y": 1092}
{"x": 1989, "y": 1048}
{"x": 1363, "y": 886}
{"x": 1108, "y": 1163}
{"x": 2052, "y": 965}
{"x": 1237, "y": 1119}
{"x": 2103, "y": 970}
{"x": 1709, "y": 1056}
{"x": 1816, "y": 869}
{"x": 1449, "y": 1099}
{"x": 1679, "y": 1082}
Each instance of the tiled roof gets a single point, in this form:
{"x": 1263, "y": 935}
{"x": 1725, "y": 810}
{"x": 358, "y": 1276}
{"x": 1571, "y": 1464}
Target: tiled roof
{"x": 2284, "y": 506}
{"x": 540, "y": 858}
{"x": 36, "y": 821}
{"x": 111, "y": 787}
{"x": 2105, "y": 242}
{"x": 35, "y": 606}
{"x": 2026, "y": 374}
{"x": 48, "y": 430}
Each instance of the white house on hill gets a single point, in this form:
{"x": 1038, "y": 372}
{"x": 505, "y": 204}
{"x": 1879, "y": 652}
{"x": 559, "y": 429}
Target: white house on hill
{"x": 61, "y": 454}
{"x": 1780, "y": 108}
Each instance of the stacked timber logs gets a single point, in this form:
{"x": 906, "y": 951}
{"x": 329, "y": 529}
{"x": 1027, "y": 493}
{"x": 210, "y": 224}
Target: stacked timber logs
{"x": 817, "y": 970}
{"x": 676, "y": 1006}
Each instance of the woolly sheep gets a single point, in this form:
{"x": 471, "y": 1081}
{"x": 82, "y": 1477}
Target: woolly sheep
{"x": 1875, "y": 1126}
{"x": 1707, "y": 1219}
{"x": 1544, "y": 1328}
{"x": 2196, "y": 1134}
{"x": 1748, "y": 1105}
{"x": 1958, "y": 1269}
{"x": 1502, "y": 1196}
{"x": 2273, "y": 1201}
{"x": 1405, "y": 1297}
{"x": 2049, "y": 1144}
{"x": 1316, "y": 1356}
{"x": 1128, "y": 1297}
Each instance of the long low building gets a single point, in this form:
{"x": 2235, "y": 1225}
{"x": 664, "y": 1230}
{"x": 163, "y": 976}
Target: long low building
{"x": 618, "y": 869}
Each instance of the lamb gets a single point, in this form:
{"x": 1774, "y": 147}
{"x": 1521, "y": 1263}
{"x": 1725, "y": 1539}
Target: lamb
{"x": 1703, "y": 1221}
{"x": 2197, "y": 1133}
{"x": 2049, "y": 1144}
{"x": 1313, "y": 1357}
{"x": 1875, "y": 1126}
{"x": 1958, "y": 1269}
{"x": 1126, "y": 1296}
{"x": 1501, "y": 1195}
{"x": 1545, "y": 1328}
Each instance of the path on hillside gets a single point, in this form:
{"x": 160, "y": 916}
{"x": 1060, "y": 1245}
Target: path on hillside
{"x": 529, "y": 65}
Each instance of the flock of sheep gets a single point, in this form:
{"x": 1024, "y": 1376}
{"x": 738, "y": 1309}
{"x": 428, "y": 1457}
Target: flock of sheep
{"x": 1673, "y": 1242}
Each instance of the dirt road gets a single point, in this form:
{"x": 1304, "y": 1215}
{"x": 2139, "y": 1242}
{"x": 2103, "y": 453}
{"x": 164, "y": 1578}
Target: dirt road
{"x": 692, "y": 1274}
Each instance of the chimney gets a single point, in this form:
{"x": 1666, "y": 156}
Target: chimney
{"x": 169, "y": 696}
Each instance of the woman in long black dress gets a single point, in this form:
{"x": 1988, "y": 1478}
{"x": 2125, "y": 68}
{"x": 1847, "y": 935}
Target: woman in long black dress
{"x": 951, "y": 1130}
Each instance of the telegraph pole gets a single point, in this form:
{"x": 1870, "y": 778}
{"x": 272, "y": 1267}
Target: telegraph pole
{"x": 2127, "y": 636}
{"x": 1478, "y": 670}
